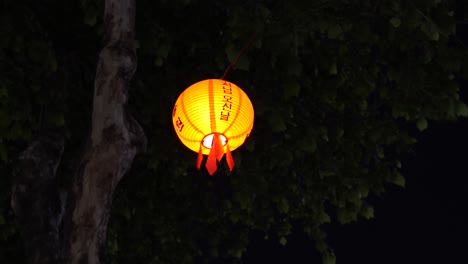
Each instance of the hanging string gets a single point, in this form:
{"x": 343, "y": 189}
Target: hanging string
{"x": 238, "y": 55}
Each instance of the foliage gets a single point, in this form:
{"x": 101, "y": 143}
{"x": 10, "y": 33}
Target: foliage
{"x": 335, "y": 87}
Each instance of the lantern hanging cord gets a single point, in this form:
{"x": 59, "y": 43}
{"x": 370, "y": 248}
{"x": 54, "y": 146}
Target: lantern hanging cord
{"x": 238, "y": 55}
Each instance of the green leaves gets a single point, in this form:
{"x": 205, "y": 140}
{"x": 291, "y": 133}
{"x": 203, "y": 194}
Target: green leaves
{"x": 367, "y": 211}
{"x": 334, "y": 31}
{"x": 292, "y": 65}
{"x": 3, "y": 92}
{"x": 291, "y": 89}
{"x": 283, "y": 241}
{"x": 397, "y": 179}
{"x": 421, "y": 124}
{"x": 333, "y": 69}
{"x": 323, "y": 217}
{"x": 283, "y": 205}
{"x": 395, "y": 21}
{"x": 462, "y": 109}
{"x": 329, "y": 258}
{"x": 431, "y": 30}
{"x": 308, "y": 144}
{"x": 277, "y": 122}
{"x": 242, "y": 62}
{"x": 346, "y": 215}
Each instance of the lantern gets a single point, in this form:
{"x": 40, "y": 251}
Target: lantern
{"x": 213, "y": 117}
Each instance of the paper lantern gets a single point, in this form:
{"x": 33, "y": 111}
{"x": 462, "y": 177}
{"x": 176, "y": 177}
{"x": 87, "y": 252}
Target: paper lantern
{"x": 213, "y": 117}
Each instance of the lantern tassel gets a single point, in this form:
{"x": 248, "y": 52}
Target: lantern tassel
{"x": 216, "y": 154}
{"x": 200, "y": 157}
{"x": 211, "y": 163}
{"x": 229, "y": 159}
{"x": 218, "y": 147}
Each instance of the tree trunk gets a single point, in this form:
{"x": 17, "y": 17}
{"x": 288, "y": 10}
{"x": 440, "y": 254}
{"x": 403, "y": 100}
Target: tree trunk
{"x": 115, "y": 138}
{"x": 35, "y": 198}
{"x": 114, "y": 141}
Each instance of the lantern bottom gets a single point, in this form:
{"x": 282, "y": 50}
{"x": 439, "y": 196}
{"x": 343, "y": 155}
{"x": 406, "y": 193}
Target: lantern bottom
{"x": 207, "y": 141}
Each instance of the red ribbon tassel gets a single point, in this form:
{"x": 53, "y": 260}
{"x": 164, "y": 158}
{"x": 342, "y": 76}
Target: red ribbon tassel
{"x": 229, "y": 159}
{"x": 200, "y": 157}
{"x": 211, "y": 163}
{"x": 216, "y": 154}
{"x": 218, "y": 147}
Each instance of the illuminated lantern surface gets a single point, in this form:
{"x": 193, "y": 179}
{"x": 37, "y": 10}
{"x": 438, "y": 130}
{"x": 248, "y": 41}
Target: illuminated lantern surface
{"x": 213, "y": 117}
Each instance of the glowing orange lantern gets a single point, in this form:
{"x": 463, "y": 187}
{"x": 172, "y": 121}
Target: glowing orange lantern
{"x": 213, "y": 117}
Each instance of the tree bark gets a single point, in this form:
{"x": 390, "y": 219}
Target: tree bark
{"x": 115, "y": 139}
{"x": 79, "y": 234}
{"x": 36, "y": 200}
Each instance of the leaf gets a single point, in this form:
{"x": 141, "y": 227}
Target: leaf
{"x": 235, "y": 217}
{"x": 293, "y": 66}
{"x": 398, "y": 179}
{"x": 430, "y": 30}
{"x": 3, "y": 91}
{"x": 426, "y": 56}
{"x": 113, "y": 245}
{"x": 283, "y": 205}
{"x": 231, "y": 53}
{"x": 53, "y": 63}
{"x": 462, "y": 109}
{"x": 435, "y": 35}
{"x": 214, "y": 252}
{"x": 380, "y": 153}
{"x": 308, "y": 144}
{"x": 158, "y": 61}
{"x": 329, "y": 258}
{"x": 291, "y": 89}
{"x": 367, "y": 211}
{"x": 323, "y": 217}
{"x": 334, "y": 31}
{"x": 244, "y": 201}
{"x": 421, "y": 124}
{"x": 237, "y": 253}
{"x": 242, "y": 63}
{"x": 283, "y": 241}
{"x": 333, "y": 70}
{"x": 346, "y": 215}
{"x": 277, "y": 123}
{"x": 395, "y": 21}
{"x": 326, "y": 173}
{"x": 163, "y": 50}
{"x": 398, "y": 164}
